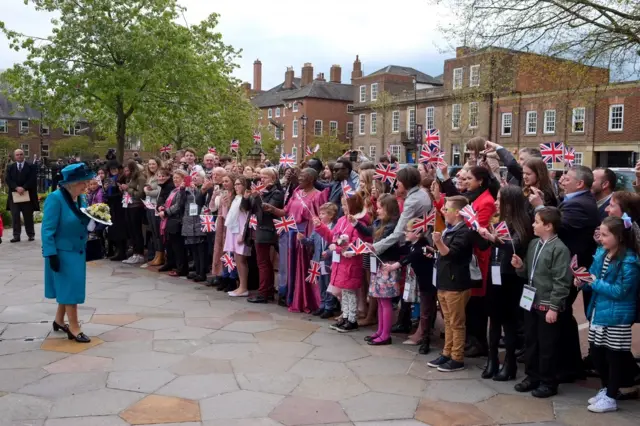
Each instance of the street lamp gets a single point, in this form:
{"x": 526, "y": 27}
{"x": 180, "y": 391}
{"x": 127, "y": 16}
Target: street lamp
{"x": 304, "y": 131}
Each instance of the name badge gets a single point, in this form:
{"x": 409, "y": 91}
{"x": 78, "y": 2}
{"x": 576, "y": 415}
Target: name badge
{"x": 335, "y": 258}
{"x": 435, "y": 276}
{"x": 496, "y": 277}
{"x": 373, "y": 265}
{"x": 323, "y": 268}
{"x": 528, "y": 296}
{"x": 193, "y": 209}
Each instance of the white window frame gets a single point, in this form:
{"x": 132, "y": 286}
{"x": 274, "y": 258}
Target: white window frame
{"x": 458, "y": 78}
{"x": 4, "y": 126}
{"x": 77, "y": 129}
{"x": 277, "y": 133}
{"x": 456, "y": 116}
{"x": 549, "y": 125}
{"x": 611, "y": 118}
{"x": 395, "y": 150}
{"x": 349, "y": 128}
{"x": 474, "y": 111}
{"x": 44, "y": 129}
{"x": 45, "y": 151}
{"x": 333, "y": 128}
{"x": 395, "y": 121}
{"x": 373, "y": 123}
{"x": 579, "y": 158}
{"x": 278, "y": 112}
{"x": 349, "y": 108}
{"x": 294, "y": 152}
{"x": 372, "y": 152}
{"x": 531, "y": 126}
{"x": 362, "y": 124}
{"x": 294, "y": 129}
{"x": 361, "y": 148}
{"x": 295, "y": 107}
{"x": 474, "y": 74}
{"x": 575, "y": 119}
{"x": 374, "y": 91}
{"x": 411, "y": 126}
{"x": 66, "y": 131}
{"x": 430, "y": 118}
{"x": 22, "y": 128}
{"x": 25, "y": 149}
{"x": 363, "y": 93}
{"x": 315, "y": 128}
{"x": 269, "y": 113}
{"x": 503, "y": 121}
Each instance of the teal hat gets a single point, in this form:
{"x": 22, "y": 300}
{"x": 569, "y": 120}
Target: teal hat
{"x": 75, "y": 173}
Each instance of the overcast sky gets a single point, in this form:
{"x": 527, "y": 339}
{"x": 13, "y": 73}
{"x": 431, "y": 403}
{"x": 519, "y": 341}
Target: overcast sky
{"x": 288, "y": 33}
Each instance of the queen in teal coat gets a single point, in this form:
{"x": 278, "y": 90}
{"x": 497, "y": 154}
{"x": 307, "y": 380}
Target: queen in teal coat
{"x": 64, "y": 241}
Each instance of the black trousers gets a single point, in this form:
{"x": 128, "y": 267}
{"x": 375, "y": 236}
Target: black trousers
{"x": 609, "y": 364}
{"x": 503, "y": 306}
{"x": 176, "y": 254}
{"x": 27, "y": 212}
{"x": 476, "y": 321}
{"x": 133, "y": 217}
{"x": 199, "y": 254}
{"x": 570, "y": 365}
{"x": 541, "y": 345}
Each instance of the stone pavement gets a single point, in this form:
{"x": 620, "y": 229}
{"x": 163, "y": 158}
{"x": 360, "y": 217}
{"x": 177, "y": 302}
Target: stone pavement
{"x": 168, "y": 351}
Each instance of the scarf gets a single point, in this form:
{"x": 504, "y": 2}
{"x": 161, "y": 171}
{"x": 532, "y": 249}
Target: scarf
{"x": 231, "y": 221}
{"x": 167, "y": 204}
{"x": 472, "y": 195}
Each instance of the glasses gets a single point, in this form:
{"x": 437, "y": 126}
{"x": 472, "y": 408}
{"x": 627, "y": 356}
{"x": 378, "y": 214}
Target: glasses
{"x": 449, "y": 209}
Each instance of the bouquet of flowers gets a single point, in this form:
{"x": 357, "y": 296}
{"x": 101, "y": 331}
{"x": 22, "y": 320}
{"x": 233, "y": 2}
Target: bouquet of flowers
{"x": 99, "y": 212}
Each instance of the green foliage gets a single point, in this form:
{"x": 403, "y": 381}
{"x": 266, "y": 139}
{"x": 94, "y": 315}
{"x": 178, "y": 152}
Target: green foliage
{"x": 331, "y": 148}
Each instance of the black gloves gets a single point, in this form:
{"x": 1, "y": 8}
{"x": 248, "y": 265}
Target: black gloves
{"x": 54, "y": 263}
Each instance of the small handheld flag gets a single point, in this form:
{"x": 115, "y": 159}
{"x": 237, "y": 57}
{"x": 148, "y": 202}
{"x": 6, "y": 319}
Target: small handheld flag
{"x": 569, "y": 156}
{"x": 259, "y": 187}
{"x": 432, "y": 139}
{"x": 347, "y": 190}
{"x": 552, "y": 152}
{"x": 228, "y": 262}
{"x": 234, "y": 145}
{"x": 309, "y": 152}
{"x": 286, "y": 224}
{"x": 581, "y": 272}
{"x": 428, "y": 219}
{"x": 166, "y": 148}
{"x": 257, "y": 138}
{"x": 470, "y": 217}
{"x": 126, "y": 198}
{"x": 502, "y": 230}
{"x": 314, "y": 272}
{"x": 207, "y": 223}
{"x": 287, "y": 160}
{"x": 385, "y": 173}
{"x": 148, "y": 204}
{"x": 358, "y": 247}
{"x": 212, "y": 150}
{"x": 253, "y": 222}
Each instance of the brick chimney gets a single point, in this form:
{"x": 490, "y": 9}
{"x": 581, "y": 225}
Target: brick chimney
{"x": 335, "y": 75}
{"x": 288, "y": 78}
{"x": 246, "y": 87}
{"x": 357, "y": 68}
{"x": 257, "y": 75}
{"x": 463, "y": 51}
{"x": 307, "y": 74}
{"x": 320, "y": 77}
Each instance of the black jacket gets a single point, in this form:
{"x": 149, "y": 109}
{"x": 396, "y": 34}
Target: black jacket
{"x": 421, "y": 265}
{"x": 165, "y": 190}
{"x": 513, "y": 167}
{"x": 393, "y": 253}
{"x": 579, "y": 221}
{"x": 266, "y": 232}
{"x": 453, "y": 269}
{"x": 27, "y": 178}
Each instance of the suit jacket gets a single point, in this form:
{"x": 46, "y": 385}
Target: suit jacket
{"x": 27, "y": 178}
{"x": 579, "y": 221}
{"x": 601, "y": 210}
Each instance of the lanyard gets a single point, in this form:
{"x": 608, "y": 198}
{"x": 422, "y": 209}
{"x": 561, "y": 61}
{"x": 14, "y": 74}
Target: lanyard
{"x": 536, "y": 257}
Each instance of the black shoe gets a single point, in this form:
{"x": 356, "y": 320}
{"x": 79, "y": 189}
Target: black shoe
{"x": 348, "y": 326}
{"x": 222, "y": 284}
{"x": 80, "y": 338}
{"x": 165, "y": 268}
{"x": 370, "y": 338}
{"x": 231, "y": 285}
{"x": 58, "y": 327}
{"x": 438, "y": 361}
{"x": 475, "y": 351}
{"x": 32, "y": 238}
{"x": 118, "y": 257}
{"x": 451, "y": 366}
{"x": 379, "y": 343}
{"x": 191, "y": 275}
{"x": 328, "y": 314}
{"x": 199, "y": 279}
{"x": 257, "y": 299}
{"x": 627, "y": 395}
{"x": 491, "y": 368}
{"x": 527, "y": 385}
{"x": 424, "y": 348}
{"x": 507, "y": 371}
{"x": 545, "y": 391}
{"x": 318, "y": 312}
{"x": 521, "y": 359}
{"x": 14, "y": 240}
{"x": 282, "y": 302}
{"x": 339, "y": 323}
{"x": 399, "y": 328}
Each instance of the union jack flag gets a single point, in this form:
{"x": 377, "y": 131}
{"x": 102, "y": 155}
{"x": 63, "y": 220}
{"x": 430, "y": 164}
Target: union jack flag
{"x": 148, "y": 204}
{"x": 470, "y": 217}
{"x": 166, "y": 148}
{"x": 234, "y": 145}
{"x": 502, "y": 230}
{"x": 581, "y": 272}
{"x": 253, "y": 222}
{"x": 287, "y": 160}
{"x": 213, "y": 150}
{"x": 385, "y": 173}
{"x": 347, "y": 190}
{"x": 228, "y": 262}
{"x": 207, "y": 223}
{"x": 259, "y": 187}
{"x": 432, "y": 139}
{"x": 552, "y": 152}
{"x": 309, "y": 152}
{"x": 428, "y": 219}
{"x": 314, "y": 272}
{"x": 431, "y": 157}
{"x": 257, "y": 138}
{"x": 286, "y": 224}
{"x": 569, "y": 155}
{"x": 126, "y": 198}
{"x": 359, "y": 247}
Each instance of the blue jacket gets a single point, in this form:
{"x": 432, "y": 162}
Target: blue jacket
{"x": 615, "y": 296}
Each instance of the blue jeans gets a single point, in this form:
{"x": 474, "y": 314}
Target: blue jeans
{"x": 328, "y": 301}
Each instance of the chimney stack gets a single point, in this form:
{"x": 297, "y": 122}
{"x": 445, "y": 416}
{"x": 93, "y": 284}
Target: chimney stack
{"x": 307, "y": 74}
{"x": 462, "y": 51}
{"x": 335, "y": 75}
{"x": 257, "y": 75}
{"x": 357, "y": 68}
{"x": 320, "y": 77}
{"x": 246, "y": 86}
{"x": 288, "y": 78}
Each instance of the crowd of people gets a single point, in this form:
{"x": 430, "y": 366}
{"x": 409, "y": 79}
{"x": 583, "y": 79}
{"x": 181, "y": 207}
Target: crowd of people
{"x": 503, "y": 261}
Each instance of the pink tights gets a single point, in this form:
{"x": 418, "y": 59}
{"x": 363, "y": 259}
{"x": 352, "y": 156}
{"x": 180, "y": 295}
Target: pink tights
{"x": 385, "y": 319}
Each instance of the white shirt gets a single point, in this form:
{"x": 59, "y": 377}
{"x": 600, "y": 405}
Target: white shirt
{"x": 20, "y": 166}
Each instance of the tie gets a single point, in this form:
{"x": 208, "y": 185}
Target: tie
{"x": 19, "y": 167}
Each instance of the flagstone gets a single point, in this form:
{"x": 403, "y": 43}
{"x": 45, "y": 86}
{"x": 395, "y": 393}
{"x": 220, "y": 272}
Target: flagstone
{"x": 179, "y": 346}
{"x": 259, "y": 362}
{"x": 26, "y": 330}
{"x": 60, "y": 385}
{"x": 269, "y": 382}
{"x": 139, "y": 381}
{"x": 331, "y": 388}
{"x": 200, "y": 386}
{"x": 180, "y": 333}
{"x": 379, "y": 406}
{"x": 228, "y": 351}
{"x": 283, "y": 334}
{"x": 144, "y": 361}
{"x": 443, "y": 413}
{"x": 198, "y": 365}
{"x": 309, "y": 368}
{"x": 401, "y": 352}
{"x": 400, "y": 384}
{"x": 298, "y": 325}
{"x": 87, "y": 421}
{"x": 154, "y": 324}
{"x": 113, "y": 349}
{"x": 127, "y": 334}
{"x": 12, "y": 380}
{"x": 101, "y": 402}
{"x": 212, "y": 323}
{"x": 8, "y": 347}
{"x": 69, "y": 346}
{"x": 16, "y": 407}
{"x": 238, "y": 405}
{"x": 243, "y": 422}
{"x": 250, "y": 316}
{"x": 578, "y": 415}
{"x": 222, "y": 336}
{"x": 379, "y": 366}
{"x": 470, "y": 391}
{"x": 517, "y": 409}
{"x": 339, "y": 353}
{"x": 30, "y": 359}
{"x": 162, "y": 409}
{"x": 79, "y": 363}
{"x": 250, "y": 326}
{"x": 279, "y": 348}
{"x": 391, "y": 423}
{"x": 295, "y": 410}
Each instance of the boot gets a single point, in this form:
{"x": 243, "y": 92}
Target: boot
{"x": 166, "y": 268}
{"x": 508, "y": 370}
{"x": 424, "y": 347}
{"x": 232, "y": 284}
{"x": 403, "y": 325}
{"x": 222, "y": 283}
{"x": 158, "y": 260}
{"x": 492, "y": 366}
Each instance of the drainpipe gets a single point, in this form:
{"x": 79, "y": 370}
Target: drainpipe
{"x": 520, "y": 120}
{"x": 593, "y": 132}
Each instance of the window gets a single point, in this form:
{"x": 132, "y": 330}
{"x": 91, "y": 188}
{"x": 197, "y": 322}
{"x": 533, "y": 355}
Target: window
{"x": 350, "y": 109}
{"x": 411, "y": 122}
{"x": 363, "y": 93}
{"x": 269, "y": 113}
{"x": 507, "y": 123}
{"x": 362, "y": 124}
{"x": 578, "y": 159}
{"x": 333, "y": 128}
{"x": 457, "y": 78}
{"x": 456, "y": 112}
{"x": 25, "y": 148}
{"x": 45, "y": 151}
{"x": 616, "y": 118}
{"x": 4, "y": 127}
{"x": 44, "y": 129}
{"x": 294, "y": 152}
{"x": 77, "y": 129}
{"x": 474, "y": 76}
{"x": 317, "y": 128}
{"x": 395, "y": 150}
{"x": 24, "y": 126}
{"x": 294, "y": 131}
{"x": 374, "y": 123}
{"x": 66, "y": 131}
{"x": 277, "y": 112}
{"x": 532, "y": 122}
{"x": 395, "y": 121}
{"x": 295, "y": 107}
{"x": 431, "y": 118}
{"x": 550, "y": 121}
{"x": 578, "y": 120}
{"x": 473, "y": 115}
{"x": 350, "y": 129}
{"x": 374, "y": 91}
{"x": 361, "y": 149}
{"x": 278, "y": 133}
{"x": 372, "y": 152}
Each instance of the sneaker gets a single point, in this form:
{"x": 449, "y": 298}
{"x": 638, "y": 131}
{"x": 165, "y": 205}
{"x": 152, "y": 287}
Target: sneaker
{"x": 603, "y": 405}
{"x": 348, "y": 326}
{"x": 339, "y": 323}
{"x": 438, "y": 361}
{"x": 602, "y": 392}
{"x": 130, "y": 260}
{"x": 451, "y": 365}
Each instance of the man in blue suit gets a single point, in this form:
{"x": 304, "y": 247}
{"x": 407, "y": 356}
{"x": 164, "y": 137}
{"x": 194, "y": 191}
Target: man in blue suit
{"x": 604, "y": 183}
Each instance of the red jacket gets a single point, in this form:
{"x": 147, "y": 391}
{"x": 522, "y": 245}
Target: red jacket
{"x": 485, "y": 208}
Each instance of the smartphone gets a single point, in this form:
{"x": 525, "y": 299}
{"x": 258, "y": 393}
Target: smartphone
{"x": 187, "y": 181}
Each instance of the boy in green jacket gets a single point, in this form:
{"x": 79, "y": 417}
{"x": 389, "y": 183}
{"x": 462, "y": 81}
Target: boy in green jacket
{"x": 547, "y": 269}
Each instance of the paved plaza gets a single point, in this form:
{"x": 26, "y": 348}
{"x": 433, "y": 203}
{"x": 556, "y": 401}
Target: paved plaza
{"x": 168, "y": 351}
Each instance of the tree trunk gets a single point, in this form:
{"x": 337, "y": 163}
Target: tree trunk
{"x": 121, "y": 133}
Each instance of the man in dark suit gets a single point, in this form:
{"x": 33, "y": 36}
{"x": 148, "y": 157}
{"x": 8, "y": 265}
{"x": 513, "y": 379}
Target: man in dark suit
{"x": 604, "y": 183}
{"x": 21, "y": 177}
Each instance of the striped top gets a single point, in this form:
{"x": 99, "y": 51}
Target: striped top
{"x": 614, "y": 337}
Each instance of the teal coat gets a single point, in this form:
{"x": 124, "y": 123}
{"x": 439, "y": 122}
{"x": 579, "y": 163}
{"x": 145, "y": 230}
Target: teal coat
{"x": 64, "y": 233}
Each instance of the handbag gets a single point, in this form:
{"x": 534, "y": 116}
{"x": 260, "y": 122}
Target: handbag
{"x": 94, "y": 250}
{"x": 474, "y": 269}
{"x": 410, "y": 294}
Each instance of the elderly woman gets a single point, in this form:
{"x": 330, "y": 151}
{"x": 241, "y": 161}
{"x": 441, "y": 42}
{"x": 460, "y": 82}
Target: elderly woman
{"x": 64, "y": 240}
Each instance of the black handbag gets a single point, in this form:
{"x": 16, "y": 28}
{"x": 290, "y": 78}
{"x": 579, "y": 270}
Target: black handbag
{"x": 95, "y": 249}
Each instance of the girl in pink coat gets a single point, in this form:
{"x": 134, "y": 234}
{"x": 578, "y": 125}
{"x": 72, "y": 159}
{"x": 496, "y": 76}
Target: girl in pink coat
{"x": 347, "y": 272}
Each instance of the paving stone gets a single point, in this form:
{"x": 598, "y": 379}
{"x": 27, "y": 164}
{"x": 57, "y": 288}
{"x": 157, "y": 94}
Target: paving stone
{"x": 419, "y": 369}
{"x": 176, "y": 424}
{"x": 69, "y": 346}
{"x": 180, "y": 333}
{"x": 292, "y": 349}
{"x": 211, "y": 323}
{"x": 259, "y": 362}
{"x": 108, "y": 294}
{"x": 443, "y": 413}
{"x": 29, "y": 359}
{"x": 22, "y": 331}
{"x": 139, "y": 381}
{"x": 239, "y": 405}
{"x": 397, "y": 384}
{"x": 575, "y": 415}
{"x": 162, "y": 409}
{"x": 298, "y": 325}
{"x": 391, "y": 351}
{"x": 12, "y": 380}
{"x": 470, "y": 391}
{"x": 269, "y": 382}
{"x": 309, "y": 368}
{"x": 243, "y": 422}
{"x": 250, "y": 326}
{"x": 222, "y": 336}
{"x": 8, "y": 347}
{"x": 250, "y": 316}
{"x": 101, "y": 402}
{"x": 294, "y": 411}
{"x": 198, "y": 365}
{"x": 16, "y": 407}
{"x": 198, "y": 387}
{"x": 391, "y": 423}
{"x": 65, "y": 384}
{"x": 339, "y": 353}
{"x": 87, "y": 421}
{"x": 183, "y": 347}
{"x": 144, "y": 361}
{"x": 124, "y": 334}
{"x": 517, "y": 409}
{"x": 331, "y": 388}
{"x": 39, "y": 422}
{"x": 379, "y": 366}
{"x": 79, "y": 363}
{"x": 154, "y": 324}
{"x": 283, "y": 334}
{"x": 113, "y": 349}
{"x": 228, "y": 351}
{"x": 379, "y": 406}
{"x": 333, "y": 339}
